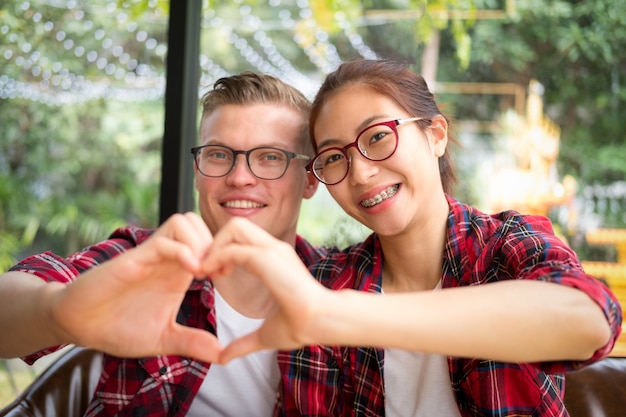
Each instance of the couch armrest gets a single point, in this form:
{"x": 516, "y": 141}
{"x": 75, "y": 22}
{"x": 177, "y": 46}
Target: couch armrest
{"x": 598, "y": 390}
{"x": 63, "y": 389}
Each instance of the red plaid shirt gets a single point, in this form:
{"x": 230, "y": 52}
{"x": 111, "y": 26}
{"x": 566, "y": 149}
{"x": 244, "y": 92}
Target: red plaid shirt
{"x": 156, "y": 386}
{"x": 480, "y": 249}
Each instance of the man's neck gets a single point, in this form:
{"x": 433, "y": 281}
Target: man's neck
{"x": 245, "y": 293}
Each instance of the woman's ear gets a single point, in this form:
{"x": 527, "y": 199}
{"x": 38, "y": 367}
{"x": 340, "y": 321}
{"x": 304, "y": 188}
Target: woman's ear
{"x": 438, "y": 130}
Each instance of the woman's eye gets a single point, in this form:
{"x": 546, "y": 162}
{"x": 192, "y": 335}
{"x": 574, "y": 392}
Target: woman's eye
{"x": 334, "y": 157}
{"x": 378, "y": 136}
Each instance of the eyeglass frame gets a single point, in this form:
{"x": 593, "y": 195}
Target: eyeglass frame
{"x": 392, "y": 124}
{"x": 290, "y": 155}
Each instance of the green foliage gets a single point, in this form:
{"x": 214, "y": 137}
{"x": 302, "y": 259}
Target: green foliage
{"x": 70, "y": 177}
{"x": 70, "y": 173}
{"x": 400, "y": 29}
{"x": 440, "y": 15}
{"x": 574, "y": 50}
{"x": 323, "y": 222}
{"x": 138, "y": 8}
{"x": 325, "y": 12}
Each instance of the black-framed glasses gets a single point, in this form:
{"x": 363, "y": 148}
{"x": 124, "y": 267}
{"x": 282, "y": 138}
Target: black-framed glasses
{"x": 376, "y": 143}
{"x": 264, "y": 162}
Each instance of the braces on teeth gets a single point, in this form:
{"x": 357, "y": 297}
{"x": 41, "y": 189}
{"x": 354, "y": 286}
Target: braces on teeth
{"x": 383, "y": 195}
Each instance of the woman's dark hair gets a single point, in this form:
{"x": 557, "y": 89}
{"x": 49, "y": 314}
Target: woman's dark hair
{"x": 394, "y": 80}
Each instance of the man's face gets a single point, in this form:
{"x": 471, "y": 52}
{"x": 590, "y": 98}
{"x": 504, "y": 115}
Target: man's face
{"x": 271, "y": 204}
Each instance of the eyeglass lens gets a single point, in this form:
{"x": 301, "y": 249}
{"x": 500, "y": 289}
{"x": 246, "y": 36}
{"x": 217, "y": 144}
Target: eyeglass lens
{"x": 265, "y": 163}
{"x": 376, "y": 143}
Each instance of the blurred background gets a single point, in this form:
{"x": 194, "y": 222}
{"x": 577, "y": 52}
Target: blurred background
{"x": 535, "y": 89}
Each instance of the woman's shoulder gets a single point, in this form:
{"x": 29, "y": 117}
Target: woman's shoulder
{"x": 357, "y": 251}
{"x": 339, "y": 264}
{"x": 469, "y": 219}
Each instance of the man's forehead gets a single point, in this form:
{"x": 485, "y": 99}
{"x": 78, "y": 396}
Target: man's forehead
{"x": 258, "y": 124}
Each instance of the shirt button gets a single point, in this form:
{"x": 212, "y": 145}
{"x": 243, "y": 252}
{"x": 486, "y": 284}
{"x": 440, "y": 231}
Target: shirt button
{"x": 162, "y": 370}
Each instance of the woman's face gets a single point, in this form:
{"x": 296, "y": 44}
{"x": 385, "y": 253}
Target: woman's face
{"x": 391, "y": 195}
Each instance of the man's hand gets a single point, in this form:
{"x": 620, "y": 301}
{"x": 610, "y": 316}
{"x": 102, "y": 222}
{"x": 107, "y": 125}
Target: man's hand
{"x": 128, "y": 305}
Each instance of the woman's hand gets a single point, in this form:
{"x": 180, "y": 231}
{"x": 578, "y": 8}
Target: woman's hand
{"x": 295, "y": 320}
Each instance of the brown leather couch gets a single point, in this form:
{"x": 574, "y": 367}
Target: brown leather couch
{"x": 65, "y": 388}
{"x": 598, "y": 390}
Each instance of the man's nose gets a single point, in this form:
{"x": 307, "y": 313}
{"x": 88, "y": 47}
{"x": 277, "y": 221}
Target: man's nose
{"x": 240, "y": 172}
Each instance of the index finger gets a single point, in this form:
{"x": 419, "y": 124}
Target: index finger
{"x": 189, "y": 229}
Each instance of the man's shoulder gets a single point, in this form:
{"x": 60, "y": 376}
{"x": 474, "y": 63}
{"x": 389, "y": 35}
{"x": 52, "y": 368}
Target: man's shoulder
{"x": 348, "y": 267}
{"x": 132, "y": 234}
{"x": 160, "y": 385}
{"x": 54, "y": 267}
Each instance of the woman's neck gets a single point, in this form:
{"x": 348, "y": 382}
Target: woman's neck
{"x": 413, "y": 260}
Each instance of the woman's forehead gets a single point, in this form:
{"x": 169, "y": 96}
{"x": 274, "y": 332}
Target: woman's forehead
{"x": 356, "y": 109}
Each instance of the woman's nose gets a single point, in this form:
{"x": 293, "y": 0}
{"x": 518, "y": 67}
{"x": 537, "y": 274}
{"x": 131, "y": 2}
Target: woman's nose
{"x": 360, "y": 169}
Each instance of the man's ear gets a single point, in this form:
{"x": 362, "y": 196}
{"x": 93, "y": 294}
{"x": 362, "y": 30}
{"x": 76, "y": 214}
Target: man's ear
{"x": 311, "y": 185}
{"x": 439, "y": 135}
{"x": 195, "y": 176}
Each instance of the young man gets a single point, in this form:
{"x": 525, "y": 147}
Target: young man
{"x": 144, "y": 309}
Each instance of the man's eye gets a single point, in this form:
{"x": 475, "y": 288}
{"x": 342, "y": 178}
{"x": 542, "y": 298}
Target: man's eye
{"x": 270, "y": 156}
{"x": 273, "y": 156}
{"x": 216, "y": 155}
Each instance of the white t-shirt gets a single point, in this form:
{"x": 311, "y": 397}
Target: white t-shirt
{"x": 246, "y": 386}
{"x": 418, "y": 384}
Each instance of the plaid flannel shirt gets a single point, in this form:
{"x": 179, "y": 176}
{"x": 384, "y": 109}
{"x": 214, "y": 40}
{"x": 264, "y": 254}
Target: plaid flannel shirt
{"x": 480, "y": 249}
{"x": 155, "y": 386}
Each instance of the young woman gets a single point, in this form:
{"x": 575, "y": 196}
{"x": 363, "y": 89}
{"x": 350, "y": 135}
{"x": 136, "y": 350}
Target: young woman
{"x": 456, "y": 313}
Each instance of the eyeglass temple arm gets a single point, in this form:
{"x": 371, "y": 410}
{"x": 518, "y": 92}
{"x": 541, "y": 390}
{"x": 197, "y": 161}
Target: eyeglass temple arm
{"x": 300, "y": 156}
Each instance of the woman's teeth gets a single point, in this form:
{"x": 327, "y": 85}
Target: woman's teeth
{"x": 380, "y": 197}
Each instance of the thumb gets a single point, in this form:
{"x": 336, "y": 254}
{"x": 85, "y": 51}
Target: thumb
{"x": 195, "y": 343}
{"x": 242, "y": 346}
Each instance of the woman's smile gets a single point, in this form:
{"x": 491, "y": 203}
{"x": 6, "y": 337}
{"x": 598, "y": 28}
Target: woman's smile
{"x": 380, "y": 197}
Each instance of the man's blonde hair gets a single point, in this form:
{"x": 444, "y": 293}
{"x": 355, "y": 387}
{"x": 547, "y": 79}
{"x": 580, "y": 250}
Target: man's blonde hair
{"x": 251, "y": 88}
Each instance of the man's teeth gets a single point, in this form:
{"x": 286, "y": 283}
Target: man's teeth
{"x": 380, "y": 197}
{"x": 242, "y": 204}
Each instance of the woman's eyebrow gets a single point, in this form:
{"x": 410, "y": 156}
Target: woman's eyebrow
{"x": 365, "y": 123}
